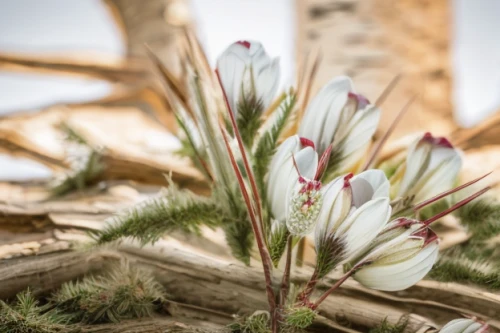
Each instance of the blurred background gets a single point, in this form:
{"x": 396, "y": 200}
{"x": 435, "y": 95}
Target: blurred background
{"x": 84, "y": 61}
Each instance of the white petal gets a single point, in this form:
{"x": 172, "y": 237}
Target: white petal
{"x": 360, "y": 130}
{"x": 267, "y": 81}
{"x": 364, "y": 225}
{"x": 461, "y": 326}
{"x": 417, "y": 161}
{"x": 439, "y": 179}
{"x": 231, "y": 66}
{"x": 279, "y": 173}
{"x": 307, "y": 163}
{"x": 285, "y": 150}
{"x": 336, "y": 205}
{"x": 322, "y": 115}
{"x": 370, "y": 184}
{"x": 401, "y": 275}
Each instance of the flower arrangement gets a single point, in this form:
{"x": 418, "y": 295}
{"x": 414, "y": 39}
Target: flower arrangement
{"x": 285, "y": 166}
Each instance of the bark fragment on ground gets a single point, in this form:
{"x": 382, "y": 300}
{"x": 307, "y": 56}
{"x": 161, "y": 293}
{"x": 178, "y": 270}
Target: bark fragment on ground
{"x": 194, "y": 278}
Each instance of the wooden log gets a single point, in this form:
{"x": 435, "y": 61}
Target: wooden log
{"x": 192, "y": 277}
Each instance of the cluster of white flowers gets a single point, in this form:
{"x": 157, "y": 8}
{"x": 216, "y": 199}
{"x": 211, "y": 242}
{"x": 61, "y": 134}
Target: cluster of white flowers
{"x": 350, "y": 210}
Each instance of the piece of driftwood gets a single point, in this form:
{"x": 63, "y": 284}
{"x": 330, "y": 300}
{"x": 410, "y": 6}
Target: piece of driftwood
{"x": 144, "y": 153}
{"x": 192, "y": 277}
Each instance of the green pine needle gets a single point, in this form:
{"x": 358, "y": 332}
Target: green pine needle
{"x": 469, "y": 264}
{"x": 386, "y": 327}
{"x": 239, "y": 238}
{"x": 249, "y": 118}
{"x": 259, "y": 322}
{"x": 80, "y": 178}
{"x": 277, "y": 243}
{"x": 149, "y": 221}
{"x": 123, "y": 293}
{"x": 299, "y": 318}
{"x": 25, "y": 315}
{"x": 87, "y": 167}
{"x": 482, "y": 217}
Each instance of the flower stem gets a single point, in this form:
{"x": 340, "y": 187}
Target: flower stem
{"x": 333, "y": 288}
{"x": 456, "y": 206}
{"x": 308, "y": 289}
{"x": 257, "y": 223}
{"x": 264, "y": 254}
{"x": 285, "y": 282}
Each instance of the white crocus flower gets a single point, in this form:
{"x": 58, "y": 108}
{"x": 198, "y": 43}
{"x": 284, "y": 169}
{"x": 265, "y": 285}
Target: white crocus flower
{"x": 464, "y": 326}
{"x": 401, "y": 262}
{"x": 340, "y": 116}
{"x": 294, "y": 153}
{"x": 431, "y": 167}
{"x": 246, "y": 71}
{"x": 353, "y": 213}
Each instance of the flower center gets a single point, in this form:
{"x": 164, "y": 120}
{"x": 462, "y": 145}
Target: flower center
{"x": 304, "y": 207}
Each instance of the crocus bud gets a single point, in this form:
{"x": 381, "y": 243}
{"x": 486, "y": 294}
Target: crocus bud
{"x": 293, "y": 156}
{"x": 431, "y": 167}
{"x": 464, "y": 325}
{"x": 340, "y": 116}
{"x": 247, "y": 72}
{"x": 401, "y": 262}
{"x": 353, "y": 213}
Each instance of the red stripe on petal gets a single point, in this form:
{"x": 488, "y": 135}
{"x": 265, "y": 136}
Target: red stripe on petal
{"x": 437, "y": 141}
{"x": 244, "y": 43}
{"x": 307, "y": 143}
{"x": 347, "y": 179}
{"x": 361, "y": 100}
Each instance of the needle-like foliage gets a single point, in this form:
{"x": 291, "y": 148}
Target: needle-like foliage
{"x": 482, "y": 217}
{"x": 386, "y": 327}
{"x": 86, "y": 164}
{"x": 123, "y": 293}
{"x": 457, "y": 266}
{"x": 249, "y": 118}
{"x": 175, "y": 210}
{"x": 26, "y": 315}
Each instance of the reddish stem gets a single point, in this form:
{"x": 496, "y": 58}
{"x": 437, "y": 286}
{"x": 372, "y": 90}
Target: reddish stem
{"x": 248, "y": 170}
{"x": 258, "y": 236}
{"x": 333, "y": 288}
{"x": 390, "y": 87}
{"x": 387, "y": 134}
{"x": 308, "y": 289}
{"x": 455, "y": 206}
{"x": 446, "y": 193}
